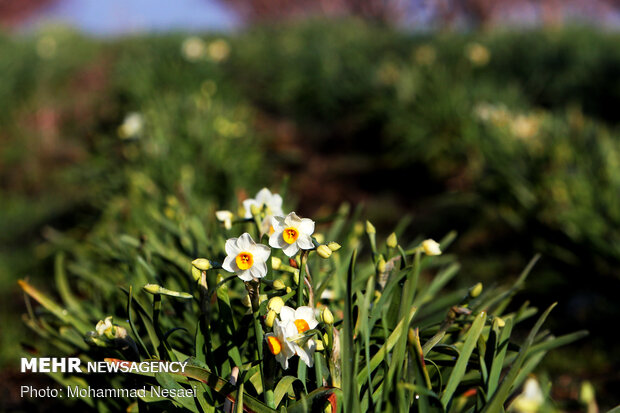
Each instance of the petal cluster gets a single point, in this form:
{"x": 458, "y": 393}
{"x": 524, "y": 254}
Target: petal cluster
{"x": 272, "y": 203}
{"x": 278, "y": 342}
{"x": 246, "y": 258}
{"x": 291, "y": 233}
{"x": 298, "y": 321}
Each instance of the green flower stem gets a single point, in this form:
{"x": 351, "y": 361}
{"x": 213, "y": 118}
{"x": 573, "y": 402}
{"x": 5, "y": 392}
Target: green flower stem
{"x": 300, "y": 284}
{"x": 318, "y": 369}
{"x": 258, "y": 332}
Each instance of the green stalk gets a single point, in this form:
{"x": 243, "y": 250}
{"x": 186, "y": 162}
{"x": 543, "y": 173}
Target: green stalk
{"x": 300, "y": 284}
{"x": 258, "y": 333}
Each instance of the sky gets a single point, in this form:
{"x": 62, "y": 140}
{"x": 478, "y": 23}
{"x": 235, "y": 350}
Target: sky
{"x": 117, "y": 17}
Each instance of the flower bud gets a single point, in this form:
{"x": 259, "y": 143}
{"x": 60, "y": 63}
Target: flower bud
{"x": 586, "y": 393}
{"x": 152, "y": 288}
{"x": 225, "y": 217}
{"x": 411, "y": 337}
{"x": 202, "y": 264}
{"x": 255, "y": 209}
{"x": 288, "y": 290}
{"x": 262, "y": 297}
{"x": 324, "y": 251}
{"x": 499, "y": 322}
{"x": 196, "y": 273}
{"x": 275, "y": 304}
{"x": 431, "y": 247}
{"x": 326, "y": 339}
{"x": 475, "y": 290}
{"x": 246, "y": 301}
{"x": 271, "y": 316}
{"x": 370, "y": 229}
{"x": 392, "y": 241}
{"x": 327, "y": 316}
{"x": 319, "y": 345}
{"x": 278, "y": 285}
{"x": 320, "y": 238}
{"x": 276, "y": 263}
{"x": 334, "y": 246}
{"x": 381, "y": 265}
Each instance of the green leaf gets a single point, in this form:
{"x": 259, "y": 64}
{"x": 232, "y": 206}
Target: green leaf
{"x": 461, "y": 364}
{"x": 283, "y": 387}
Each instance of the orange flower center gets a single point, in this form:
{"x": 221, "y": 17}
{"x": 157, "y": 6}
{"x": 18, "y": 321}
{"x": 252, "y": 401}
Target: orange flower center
{"x": 290, "y": 235}
{"x": 274, "y": 345}
{"x": 302, "y": 325}
{"x": 244, "y": 260}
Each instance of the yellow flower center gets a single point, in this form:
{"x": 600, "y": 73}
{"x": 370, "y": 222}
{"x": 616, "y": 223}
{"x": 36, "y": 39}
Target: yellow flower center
{"x": 290, "y": 235}
{"x": 244, "y": 260}
{"x": 274, "y": 345}
{"x": 302, "y": 325}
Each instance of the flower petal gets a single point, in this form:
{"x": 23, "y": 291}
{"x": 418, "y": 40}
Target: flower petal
{"x": 278, "y": 224}
{"x": 261, "y": 253}
{"x": 307, "y": 226}
{"x": 247, "y": 205}
{"x": 245, "y": 242}
{"x": 305, "y": 242}
{"x": 245, "y": 275}
{"x": 292, "y": 220}
{"x": 258, "y": 270}
{"x": 306, "y": 313}
{"x": 231, "y": 247}
{"x": 263, "y": 197}
{"x": 287, "y": 315}
{"x": 290, "y": 249}
{"x": 229, "y": 264}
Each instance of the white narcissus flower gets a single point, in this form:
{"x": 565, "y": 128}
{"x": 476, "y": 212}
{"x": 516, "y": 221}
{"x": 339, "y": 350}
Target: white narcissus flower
{"x": 278, "y": 344}
{"x": 530, "y": 400}
{"x": 302, "y": 319}
{"x": 105, "y": 326}
{"x": 225, "y": 217}
{"x": 264, "y": 199}
{"x": 246, "y": 258}
{"x": 291, "y": 233}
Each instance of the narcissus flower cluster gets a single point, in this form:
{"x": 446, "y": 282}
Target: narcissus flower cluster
{"x": 289, "y": 338}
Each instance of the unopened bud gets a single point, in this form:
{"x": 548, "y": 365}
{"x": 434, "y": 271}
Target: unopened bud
{"x": 152, "y": 288}
{"x": 431, "y": 247}
{"x": 392, "y": 241}
{"x": 319, "y": 345}
{"x": 475, "y": 290}
{"x": 324, "y": 251}
{"x": 262, "y": 297}
{"x": 320, "y": 238}
{"x": 202, "y": 264}
{"x": 271, "y": 317}
{"x": 196, "y": 273}
{"x": 278, "y": 285}
{"x": 499, "y": 322}
{"x": 288, "y": 290}
{"x": 381, "y": 264}
{"x": 275, "y": 304}
{"x": 411, "y": 337}
{"x": 370, "y": 229}
{"x": 255, "y": 209}
{"x": 334, "y": 246}
{"x": 246, "y": 301}
{"x": 327, "y": 316}
{"x": 276, "y": 263}
{"x": 326, "y": 339}
{"x": 586, "y": 393}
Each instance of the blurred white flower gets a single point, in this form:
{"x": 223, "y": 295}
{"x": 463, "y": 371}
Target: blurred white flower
{"x": 193, "y": 48}
{"x": 291, "y": 233}
{"x": 530, "y": 400}
{"x": 219, "y": 50}
{"x": 225, "y": 217}
{"x": 271, "y": 203}
{"x": 246, "y": 258}
{"x": 431, "y": 247}
{"x": 132, "y": 126}
{"x": 105, "y": 326}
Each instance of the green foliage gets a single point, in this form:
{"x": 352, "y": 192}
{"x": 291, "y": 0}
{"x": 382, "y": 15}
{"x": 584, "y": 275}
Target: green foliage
{"x": 402, "y": 341}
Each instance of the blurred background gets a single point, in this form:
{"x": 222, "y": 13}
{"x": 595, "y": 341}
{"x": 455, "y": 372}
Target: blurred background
{"x": 498, "y": 119}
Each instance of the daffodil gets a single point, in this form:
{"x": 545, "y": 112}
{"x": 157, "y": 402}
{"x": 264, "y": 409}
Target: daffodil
{"x": 225, "y": 217}
{"x": 291, "y": 233}
{"x": 246, "y": 258}
{"x": 272, "y": 203}
{"x": 278, "y": 342}
{"x": 302, "y": 319}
